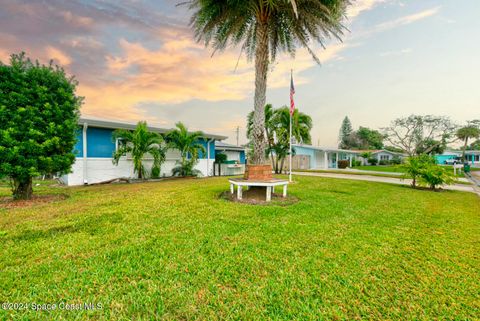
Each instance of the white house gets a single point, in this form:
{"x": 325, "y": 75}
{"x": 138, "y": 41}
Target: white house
{"x": 380, "y": 155}
{"x": 323, "y": 157}
{"x": 95, "y": 147}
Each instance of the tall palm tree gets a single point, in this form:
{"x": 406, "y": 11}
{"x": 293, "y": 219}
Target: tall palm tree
{"x": 465, "y": 133}
{"x": 139, "y": 143}
{"x": 188, "y": 143}
{"x": 269, "y": 128}
{"x": 264, "y": 28}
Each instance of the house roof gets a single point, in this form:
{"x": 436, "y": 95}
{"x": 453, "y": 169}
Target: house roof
{"x": 376, "y": 151}
{"x": 325, "y": 149}
{"x": 224, "y": 146}
{"x": 113, "y": 124}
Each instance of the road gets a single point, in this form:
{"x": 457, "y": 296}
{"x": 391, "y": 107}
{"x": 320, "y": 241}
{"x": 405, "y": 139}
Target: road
{"x": 390, "y": 180}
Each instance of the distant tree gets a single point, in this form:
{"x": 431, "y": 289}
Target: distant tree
{"x": 475, "y": 145}
{"x": 420, "y": 134}
{"x": 139, "y": 143}
{"x": 431, "y": 147}
{"x": 38, "y": 121}
{"x": 264, "y": 28}
{"x": 471, "y": 131}
{"x": 188, "y": 143}
{"x": 393, "y": 149}
{"x": 344, "y": 136}
{"x": 369, "y": 138}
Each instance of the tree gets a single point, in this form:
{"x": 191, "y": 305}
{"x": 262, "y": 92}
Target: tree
{"x": 369, "y": 138}
{"x": 301, "y": 127}
{"x": 189, "y": 146}
{"x": 465, "y": 133}
{"x": 475, "y": 145}
{"x": 269, "y": 129}
{"x": 264, "y": 28}
{"x": 417, "y": 135}
{"x": 38, "y": 122}
{"x": 139, "y": 143}
{"x": 278, "y": 132}
{"x": 344, "y": 136}
{"x": 415, "y": 165}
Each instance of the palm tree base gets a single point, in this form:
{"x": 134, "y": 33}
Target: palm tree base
{"x": 258, "y": 172}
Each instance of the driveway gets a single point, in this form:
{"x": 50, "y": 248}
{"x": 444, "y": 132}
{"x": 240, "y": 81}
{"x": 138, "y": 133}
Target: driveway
{"x": 390, "y": 180}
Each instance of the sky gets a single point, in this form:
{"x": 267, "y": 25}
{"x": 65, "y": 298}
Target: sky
{"x": 137, "y": 60}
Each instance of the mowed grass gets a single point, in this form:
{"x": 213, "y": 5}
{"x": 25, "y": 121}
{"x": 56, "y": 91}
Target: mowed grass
{"x": 174, "y": 251}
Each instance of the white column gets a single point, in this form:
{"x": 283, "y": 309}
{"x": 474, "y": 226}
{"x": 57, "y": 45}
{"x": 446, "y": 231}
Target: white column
{"x": 85, "y": 168}
{"x": 336, "y": 162}
{"x": 285, "y": 190}
{"x": 232, "y": 189}
{"x": 325, "y": 161}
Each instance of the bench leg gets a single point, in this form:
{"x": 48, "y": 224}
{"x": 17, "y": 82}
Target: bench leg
{"x": 284, "y": 190}
{"x": 269, "y": 193}
{"x": 273, "y": 189}
{"x": 239, "y": 192}
{"x": 232, "y": 189}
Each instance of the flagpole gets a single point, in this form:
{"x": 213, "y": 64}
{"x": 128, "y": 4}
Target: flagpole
{"x": 290, "y": 136}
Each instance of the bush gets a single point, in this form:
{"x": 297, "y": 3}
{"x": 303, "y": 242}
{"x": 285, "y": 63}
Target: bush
{"x": 396, "y": 160}
{"x": 423, "y": 169}
{"x": 155, "y": 172}
{"x": 433, "y": 176}
{"x": 372, "y": 161}
{"x": 384, "y": 162}
{"x": 343, "y": 163}
{"x": 220, "y": 158}
{"x": 356, "y": 163}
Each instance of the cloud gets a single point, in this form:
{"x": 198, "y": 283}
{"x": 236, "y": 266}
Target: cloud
{"x": 360, "y": 6}
{"x": 407, "y": 19}
{"x": 57, "y": 56}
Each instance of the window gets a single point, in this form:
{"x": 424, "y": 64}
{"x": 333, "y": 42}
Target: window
{"x": 384, "y": 157}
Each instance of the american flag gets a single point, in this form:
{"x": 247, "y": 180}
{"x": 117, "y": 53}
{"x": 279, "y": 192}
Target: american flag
{"x": 292, "y": 92}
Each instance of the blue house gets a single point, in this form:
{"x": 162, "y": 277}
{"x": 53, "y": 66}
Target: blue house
{"x": 235, "y": 159}
{"x": 471, "y": 156}
{"x": 95, "y": 147}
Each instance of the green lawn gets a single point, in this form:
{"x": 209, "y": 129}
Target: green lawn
{"x": 174, "y": 251}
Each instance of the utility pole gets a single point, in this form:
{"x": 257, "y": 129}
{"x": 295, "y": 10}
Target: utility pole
{"x": 238, "y": 134}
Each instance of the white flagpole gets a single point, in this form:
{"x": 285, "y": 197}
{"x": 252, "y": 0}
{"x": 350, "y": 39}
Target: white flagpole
{"x": 290, "y": 175}
{"x": 290, "y": 136}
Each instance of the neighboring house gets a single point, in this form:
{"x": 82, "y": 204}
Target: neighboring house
{"x": 379, "y": 155}
{"x": 320, "y": 157}
{"x": 235, "y": 164}
{"x": 95, "y": 148}
{"x": 472, "y": 156}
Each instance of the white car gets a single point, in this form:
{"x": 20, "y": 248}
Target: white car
{"x": 453, "y": 161}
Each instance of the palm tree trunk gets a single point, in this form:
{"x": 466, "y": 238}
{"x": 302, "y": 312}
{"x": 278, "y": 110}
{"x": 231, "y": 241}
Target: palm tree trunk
{"x": 261, "y": 69}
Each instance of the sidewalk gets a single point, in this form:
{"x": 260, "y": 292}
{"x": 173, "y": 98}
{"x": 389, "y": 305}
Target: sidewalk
{"x": 390, "y": 180}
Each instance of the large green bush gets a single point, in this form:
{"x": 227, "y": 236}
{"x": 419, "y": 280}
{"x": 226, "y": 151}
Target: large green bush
{"x": 38, "y": 122}
{"x": 423, "y": 170}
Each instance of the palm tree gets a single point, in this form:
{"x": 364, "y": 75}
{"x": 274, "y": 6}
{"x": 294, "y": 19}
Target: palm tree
{"x": 139, "y": 143}
{"x": 301, "y": 127}
{"x": 189, "y": 146}
{"x": 264, "y": 28}
{"x": 269, "y": 128}
{"x": 465, "y": 133}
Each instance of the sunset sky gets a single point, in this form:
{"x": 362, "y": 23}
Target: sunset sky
{"x": 138, "y": 60}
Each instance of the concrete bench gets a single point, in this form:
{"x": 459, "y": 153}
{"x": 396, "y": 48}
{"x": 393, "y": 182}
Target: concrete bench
{"x": 269, "y": 184}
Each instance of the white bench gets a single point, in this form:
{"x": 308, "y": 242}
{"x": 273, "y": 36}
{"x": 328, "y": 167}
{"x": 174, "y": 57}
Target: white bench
{"x": 269, "y": 184}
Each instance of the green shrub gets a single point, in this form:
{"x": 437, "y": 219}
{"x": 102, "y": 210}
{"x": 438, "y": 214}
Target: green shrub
{"x": 396, "y": 160}
{"x": 356, "y": 163}
{"x": 434, "y": 175}
{"x": 343, "y": 164}
{"x": 155, "y": 172}
{"x": 372, "y": 161}
{"x": 384, "y": 162}
{"x": 220, "y": 158}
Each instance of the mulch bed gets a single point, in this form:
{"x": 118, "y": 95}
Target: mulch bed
{"x": 256, "y": 196}
{"x": 8, "y": 202}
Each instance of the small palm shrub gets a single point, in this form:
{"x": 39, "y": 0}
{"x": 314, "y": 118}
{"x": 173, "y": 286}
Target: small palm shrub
{"x": 186, "y": 169}
{"x": 434, "y": 176}
{"x": 372, "y": 161}
{"x": 155, "y": 173}
{"x": 423, "y": 170}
